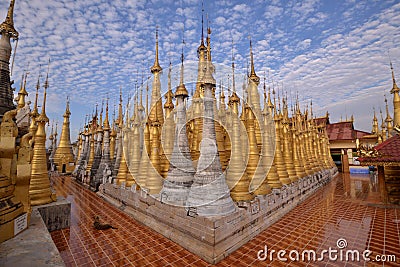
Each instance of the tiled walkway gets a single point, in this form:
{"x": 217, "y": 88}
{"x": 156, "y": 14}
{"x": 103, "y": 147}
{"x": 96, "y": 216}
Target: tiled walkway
{"x": 347, "y": 208}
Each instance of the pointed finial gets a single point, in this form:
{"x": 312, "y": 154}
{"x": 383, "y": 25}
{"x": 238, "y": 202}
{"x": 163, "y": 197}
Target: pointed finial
{"x": 391, "y": 68}
{"x": 22, "y": 92}
{"x": 233, "y": 70}
{"x": 273, "y": 86}
{"x": 253, "y": 76}
{"x": 201, "y": 47}
{"x": 26, "y": 76}
{"x": 100, "y": 126}
{"x": 141, "y": 97}
{"x": 120, "y": 118}
{"x": 67, "y": 110}
{"x": 208, "y": 75}
{"x": 8, "y": 25}
{"x": 181, "y": 89}
{"x": 169, "y": 75}
{"x": 106, "y": 123}
{"x": 265, "y": 90}
{"x": 269, "y": 102}
{"x": 38, "y": 81}
{"x": 43, "y": 117}
{"x": 208, "y": 41}
{"x": 86, "y": 118}
{"x": 388, "y": 117}
{"x": 202, "y": 22}
{"x": 156, "y": 67}
{"x": 35, "y": 111}
{"x": 395, "y": 87}
{"x": 113, "y": 115}
{"x": 46, "y": 83}
{"x": 147, "y": 99}
{"x": 127, "y": 111}
{"x": 182, "y": 68}
{"x": 279, "y": 103}
{"x": 51, "y": 136}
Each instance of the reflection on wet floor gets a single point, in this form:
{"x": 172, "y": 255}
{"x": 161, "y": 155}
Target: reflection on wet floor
{"x": 347, "y": 209}
{"x": 361, "y": 187}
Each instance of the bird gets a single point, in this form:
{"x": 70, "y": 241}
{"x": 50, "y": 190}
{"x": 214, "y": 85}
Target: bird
{"x": 101, "y": 226}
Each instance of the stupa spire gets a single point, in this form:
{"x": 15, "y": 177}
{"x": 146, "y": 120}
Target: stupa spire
{"x": 35, "y": 111}
{"x": 39, "y": 187}
{"x": 180, "y": 174}
{"x": 395, "y": 87}
{"x": 233, "y": 70}
{"x": 234, "y": 100}
{"x": 208, "y": 39}
{"x": 375, "y": 128}
{"x": 156, "y": 66}
{"x": 63, "y": 156}
{"x": 181, "y": 89}
{"x": 265, "y": 109}
{"x": 120, "y": 118}
{"x": 237, "y": 177}
{"x": 22, "y": 92}
{"x": 8, "y": 25}
{"x": 43, "y": 116}
{"x": 253, "y": 76}
{"x": 388, "y": 120}
{"x": 7, "y": 31}
{"x": 156, "y": 108}
{"x": 169, "y": 105}
{"x": 106, "y": 124}
{"x": 201, "y": 54}
{"x": 209, "y": 194}
{"x": 396, "y": 99}
{"x": 202, "y": 28}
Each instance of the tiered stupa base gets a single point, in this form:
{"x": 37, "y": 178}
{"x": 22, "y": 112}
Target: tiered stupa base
{"x": 214, "y": 238}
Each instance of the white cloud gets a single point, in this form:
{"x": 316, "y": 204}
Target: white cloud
{"x": 304, "y": 44}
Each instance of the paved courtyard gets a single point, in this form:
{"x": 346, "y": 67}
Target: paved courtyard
{"x": 345, "y": 218}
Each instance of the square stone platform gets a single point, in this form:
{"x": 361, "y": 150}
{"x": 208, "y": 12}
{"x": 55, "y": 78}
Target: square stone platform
{"x": 34, "y": 246}
{"x": 214, "y": 238}
{"x": 56, "y": 215}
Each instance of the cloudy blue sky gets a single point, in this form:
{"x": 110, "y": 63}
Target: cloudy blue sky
{"x": 333, "y": 52}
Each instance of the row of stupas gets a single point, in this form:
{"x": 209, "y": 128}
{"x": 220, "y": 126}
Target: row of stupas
{"x": 207, "y": 155}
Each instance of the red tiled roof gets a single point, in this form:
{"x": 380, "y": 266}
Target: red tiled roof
{"x": 321, "y": 121}
{"x": 360, "y": 134}
{"x": 341, "y": 131}
{"x": 389, "y": 151}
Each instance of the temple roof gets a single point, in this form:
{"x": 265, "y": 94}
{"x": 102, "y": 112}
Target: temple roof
{"x": 343, "y": 131}
{"x": 322, "y": 121}
{"x": 340, "y": 131}
{"x": 385, "y": 153}
{"x": 361, "y": 134}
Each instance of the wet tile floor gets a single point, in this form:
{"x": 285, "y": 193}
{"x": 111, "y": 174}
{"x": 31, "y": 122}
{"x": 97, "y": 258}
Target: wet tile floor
{"x": 346, "y": 211}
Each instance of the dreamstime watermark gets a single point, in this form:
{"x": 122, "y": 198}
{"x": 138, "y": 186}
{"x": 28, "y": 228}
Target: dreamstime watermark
{"x": 338, "y": 253}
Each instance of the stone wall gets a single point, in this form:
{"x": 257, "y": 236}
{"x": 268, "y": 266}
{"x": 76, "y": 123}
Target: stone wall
{"x": 214, "y": 238}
